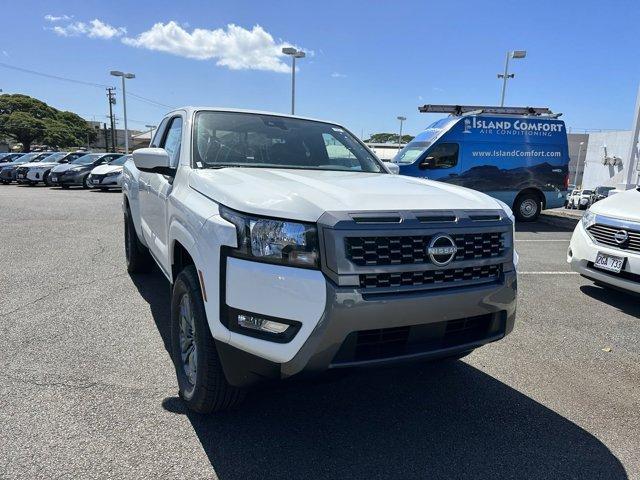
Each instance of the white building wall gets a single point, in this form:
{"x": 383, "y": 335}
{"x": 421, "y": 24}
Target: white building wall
{"x": 596, "y": 173}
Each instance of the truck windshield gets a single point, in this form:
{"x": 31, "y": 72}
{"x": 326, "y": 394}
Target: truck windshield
{"x": 233, "y": 139}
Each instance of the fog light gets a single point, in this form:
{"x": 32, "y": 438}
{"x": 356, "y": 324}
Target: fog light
{"x": 261, "y": 324}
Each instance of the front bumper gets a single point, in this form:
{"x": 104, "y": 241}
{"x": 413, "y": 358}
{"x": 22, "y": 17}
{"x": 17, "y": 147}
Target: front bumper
{"x": 66, "y": 178}
{"x": 582, "y": 255}
{"x": 105, "y": 181}
{"x": 8, "y": 175}
{"x": 357, "y": 329}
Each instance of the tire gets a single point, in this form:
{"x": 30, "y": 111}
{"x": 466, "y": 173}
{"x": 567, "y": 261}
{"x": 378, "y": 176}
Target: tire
{"x": 527, "y": 207}
{"x": 136, "y": 254}
{"x": 201, "y": 381}
{"x": 5, "y": 182}
{"x": 85, "y": 182}
{"x": 46, "y": 180}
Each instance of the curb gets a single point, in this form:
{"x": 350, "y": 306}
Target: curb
{"x": 558, "y": 220}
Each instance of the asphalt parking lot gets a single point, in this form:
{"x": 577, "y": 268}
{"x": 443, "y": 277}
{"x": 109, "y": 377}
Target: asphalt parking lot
{"x": 87, "y": 388}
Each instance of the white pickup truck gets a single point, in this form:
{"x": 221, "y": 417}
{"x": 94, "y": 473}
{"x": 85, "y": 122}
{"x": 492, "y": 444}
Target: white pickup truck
{"x": 291, "y": 249}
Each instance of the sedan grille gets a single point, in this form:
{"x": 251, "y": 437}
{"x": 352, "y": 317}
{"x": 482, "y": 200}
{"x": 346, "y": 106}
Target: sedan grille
{"x": 605, "y": 235}
{"x": 373, "y": 251}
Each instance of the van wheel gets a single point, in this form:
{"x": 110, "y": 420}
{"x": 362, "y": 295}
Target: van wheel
{"x": 136, "y": 254}
{"x": 527, "y": 207}
{"x": 201, "y": 381}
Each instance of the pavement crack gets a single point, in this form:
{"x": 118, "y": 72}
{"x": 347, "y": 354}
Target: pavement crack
{"x": 59, "y": 290}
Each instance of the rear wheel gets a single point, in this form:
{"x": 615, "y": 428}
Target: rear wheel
{"x": 201, "y": 381}
{"x": 527, "y": 207}
{"x": 137, "y": 255}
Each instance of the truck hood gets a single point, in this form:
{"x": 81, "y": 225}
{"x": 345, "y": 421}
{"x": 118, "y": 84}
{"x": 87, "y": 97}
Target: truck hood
{"x": 625, "y": 206}
{"x": 306, "y": 194}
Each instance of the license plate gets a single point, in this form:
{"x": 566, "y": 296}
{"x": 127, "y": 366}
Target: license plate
{"x": 54, "y": 179}
{"x": 609, "y": 262}
{"x": 20, "y": 175}
{"x": 95, "y": 180}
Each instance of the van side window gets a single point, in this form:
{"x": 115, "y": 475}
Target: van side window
{"x": 444, "y": 155}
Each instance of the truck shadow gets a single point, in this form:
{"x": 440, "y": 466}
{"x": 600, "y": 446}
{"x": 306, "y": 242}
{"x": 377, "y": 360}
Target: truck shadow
{"x": 421, "y": 421}
{"x": 536, "y": 227}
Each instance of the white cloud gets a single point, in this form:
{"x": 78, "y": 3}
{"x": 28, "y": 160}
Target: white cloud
{"x": 94, "y": 29}
{"x": 57, "y": 18}
{"x": 234, "y": 47}
{"x": 338, "y": 75}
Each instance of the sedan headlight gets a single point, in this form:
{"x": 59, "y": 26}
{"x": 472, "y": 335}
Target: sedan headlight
{"x": 274, "y": 241}
{"x": 588, "y": 219}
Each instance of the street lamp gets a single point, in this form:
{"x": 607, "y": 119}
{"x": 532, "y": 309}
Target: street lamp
{"x": 575, "y": 179}
{"x": 402, "y": 119}
{"x": 151, "y": 129}
{"x": 118, "y": 73}
{"x": 293, "y": 53}
{"x": 506, "y": 75}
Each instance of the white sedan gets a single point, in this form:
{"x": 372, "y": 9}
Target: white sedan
{"x": 108, "y": 175}
{"x": 605, "y": 246}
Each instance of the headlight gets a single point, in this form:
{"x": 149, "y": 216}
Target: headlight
{"x": 588, "y": 219}
{"x": 112, "y": 174}
{"x": 509, "y": 213}
{"x": 274, "y": 241}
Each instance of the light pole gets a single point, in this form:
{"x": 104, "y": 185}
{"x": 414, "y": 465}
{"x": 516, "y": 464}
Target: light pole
{"x": 402, "y": 119}
{"x": 575, "y": 179}
{"x": 151, "y": 129}
{"x": 118, "y": 73}
{"x": 293, "y": 53}
{"x": 506, "y": 75}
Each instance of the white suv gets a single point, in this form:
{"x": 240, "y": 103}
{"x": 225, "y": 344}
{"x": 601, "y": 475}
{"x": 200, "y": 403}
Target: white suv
{"x": 292, "y": 249}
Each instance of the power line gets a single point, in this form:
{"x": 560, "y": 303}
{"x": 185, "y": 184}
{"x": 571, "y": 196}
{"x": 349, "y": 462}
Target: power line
{"x": 81, "y": 82}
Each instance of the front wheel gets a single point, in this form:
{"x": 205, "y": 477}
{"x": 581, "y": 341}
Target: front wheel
{"x": 201, "y": 381}
{"x": 47, "y": 180}
{"x": 527, "y": 207}
{"x": 85, "y": 182}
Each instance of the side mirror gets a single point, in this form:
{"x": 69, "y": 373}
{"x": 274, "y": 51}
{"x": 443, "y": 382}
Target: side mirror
{"x": 393, "y": 168}
{"x": 426, "y": 163}
{"x": 153, "y": 160}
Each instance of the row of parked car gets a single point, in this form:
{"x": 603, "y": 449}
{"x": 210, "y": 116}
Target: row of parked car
{"x": 583, "y": 199}
{"x": 64, "y": 169}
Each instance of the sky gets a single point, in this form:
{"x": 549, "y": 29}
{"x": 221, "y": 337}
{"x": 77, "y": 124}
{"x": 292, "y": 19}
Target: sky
{"x": 367, "y": 61}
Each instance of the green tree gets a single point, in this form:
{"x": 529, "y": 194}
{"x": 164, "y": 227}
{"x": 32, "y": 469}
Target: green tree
{"x": 388, "y": 138}
{"x": 28, "y": 120}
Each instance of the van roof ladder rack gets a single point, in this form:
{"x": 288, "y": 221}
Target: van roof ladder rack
{"x": 458, "y": 110}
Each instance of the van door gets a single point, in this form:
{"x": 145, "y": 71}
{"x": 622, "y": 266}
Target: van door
{"x": 441, "y": 162}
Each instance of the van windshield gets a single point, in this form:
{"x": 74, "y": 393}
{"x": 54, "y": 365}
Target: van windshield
{"x": 421, "y": 142}
{"x": 235, "y": 139}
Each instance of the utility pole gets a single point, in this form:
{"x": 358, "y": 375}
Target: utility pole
{"x": 632, "y": 155}
{"x": 402, "y": 119}
{"x": 106, "y": 137}
{"x": 575, "y": 180}
{"x": 506, "y": 75}
{"x": 112, "y": 101}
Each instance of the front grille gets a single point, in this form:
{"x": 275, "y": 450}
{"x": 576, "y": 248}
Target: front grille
{"x": 448, "y": 277}
{"x": 22, "y": 170}
{"x": 604, "y": 234}
{"x": 393, "y": 342}
{"x": 375, "y": 251}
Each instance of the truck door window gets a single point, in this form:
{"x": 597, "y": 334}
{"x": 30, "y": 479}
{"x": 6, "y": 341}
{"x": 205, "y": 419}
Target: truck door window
{"x": 444, "y": 155}
{"x": 172, "y": 140}
{"x": 157, "y": 137}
